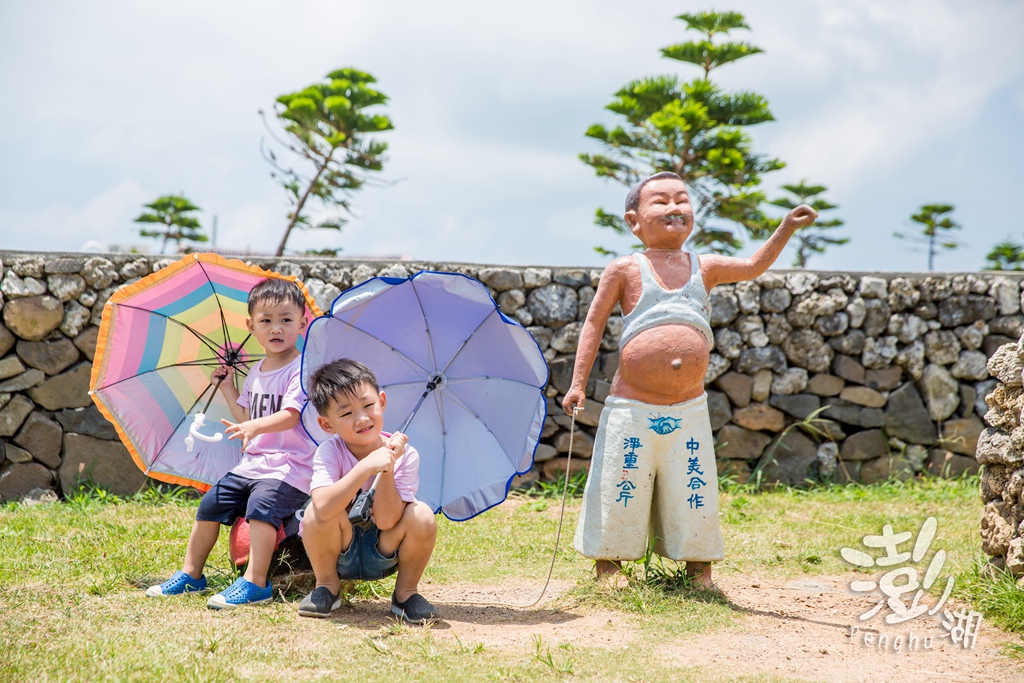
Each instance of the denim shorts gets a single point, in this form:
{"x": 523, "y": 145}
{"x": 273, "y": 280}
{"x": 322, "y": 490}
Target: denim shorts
{"x": 362, "y": 561}
{"x": 262, "y": 500}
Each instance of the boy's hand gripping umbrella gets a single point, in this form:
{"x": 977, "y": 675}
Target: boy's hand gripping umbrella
{"x": 359, "y": 513}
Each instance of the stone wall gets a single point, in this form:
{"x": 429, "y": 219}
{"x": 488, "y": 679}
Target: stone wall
{"x": 897, "y": 361}
{"x": 1001, "y": 451}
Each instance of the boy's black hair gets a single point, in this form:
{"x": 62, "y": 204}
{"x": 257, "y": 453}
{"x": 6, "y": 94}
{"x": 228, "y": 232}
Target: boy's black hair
{"x": 275, "y": 290}
{"x": 633, "y": 198}
{"x": 342, "y": 377}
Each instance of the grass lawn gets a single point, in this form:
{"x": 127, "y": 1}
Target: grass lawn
{"x": 71, "y": 607}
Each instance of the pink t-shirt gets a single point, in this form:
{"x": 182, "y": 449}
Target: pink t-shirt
{"x": 286, "y": 456}
{"x": 333, "y": 460}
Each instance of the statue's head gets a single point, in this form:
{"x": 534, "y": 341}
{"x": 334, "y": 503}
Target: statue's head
{"x": 658, "y": 211}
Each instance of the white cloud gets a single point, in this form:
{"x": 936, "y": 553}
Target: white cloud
{"x": 106, "y": 219}
{"x": 884, "y": 81}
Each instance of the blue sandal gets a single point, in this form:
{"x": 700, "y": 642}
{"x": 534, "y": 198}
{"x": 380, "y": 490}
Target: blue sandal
{"x": 239, "y": 594}
{"x": 178, "y": 584}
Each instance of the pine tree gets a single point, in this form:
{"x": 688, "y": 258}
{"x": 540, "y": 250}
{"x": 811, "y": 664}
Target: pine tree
{"x": 1006, "y": 255}
{"x": 934, "y": 222}
{"x": 171, "y": 212}
{"x": 328, "y": 133}
{"x": 694, "y": 129}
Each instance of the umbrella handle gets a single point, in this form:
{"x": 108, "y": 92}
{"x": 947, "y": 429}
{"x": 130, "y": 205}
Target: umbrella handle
{"x": 213, "y": 394}
{"x": 200, "y": 420}
{"x": 360, "y": 512}
{"x": 194, "y": 433}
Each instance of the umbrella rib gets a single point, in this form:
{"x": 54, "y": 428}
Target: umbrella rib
{"x": 426, "y": 325}
{"x": 184, "y": 364}
{"x": 471, "y": 334}
{"x": 183, "y": 419}
{"x": 460, "y": 380}
{"x": 203, "y": 338}
{"x": 174, "y": 431}
{"x": 247, "y": 363}
{"x": 220, "y": 309}
{"x": 391, "y": 385}
{"x": 444, "y": 442}
{"x": 413, "y": 364}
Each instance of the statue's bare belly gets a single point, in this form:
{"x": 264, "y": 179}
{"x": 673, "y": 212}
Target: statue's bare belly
{"x": 663, "y": 365}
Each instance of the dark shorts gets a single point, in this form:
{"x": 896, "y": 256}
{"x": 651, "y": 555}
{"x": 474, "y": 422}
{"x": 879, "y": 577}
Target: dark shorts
{"x": 362, "y": 561}
{"x": 262, "y": 500}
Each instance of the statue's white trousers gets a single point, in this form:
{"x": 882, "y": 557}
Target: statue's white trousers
{"x": 652, "y": 476}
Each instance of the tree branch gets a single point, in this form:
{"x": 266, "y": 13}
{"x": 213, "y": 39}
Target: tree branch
{"x": 299, "y": 206}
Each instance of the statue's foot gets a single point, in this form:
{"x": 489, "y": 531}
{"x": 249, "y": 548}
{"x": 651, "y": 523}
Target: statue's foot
{"x": 613, "y": 582}
{"x": 699, "y": 574}
{"x": 609, "y": 575}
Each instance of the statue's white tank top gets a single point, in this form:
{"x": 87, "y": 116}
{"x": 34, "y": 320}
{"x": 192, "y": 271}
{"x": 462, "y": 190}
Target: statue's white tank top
{"x": 688, "y": 305}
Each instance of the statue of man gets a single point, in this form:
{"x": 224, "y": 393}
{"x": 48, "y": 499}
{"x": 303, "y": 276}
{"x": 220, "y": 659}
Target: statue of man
{"x": 653, "y": 468}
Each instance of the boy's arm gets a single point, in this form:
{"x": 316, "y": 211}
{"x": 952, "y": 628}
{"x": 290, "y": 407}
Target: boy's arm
{"x": 286, "y": 418}
{"x": 388, "y": 505}
{"x": 331, "y": 501}
{"x": 718, "y": 270}
{"x": 609, "y": 293}
{"x": 248, "y": 430}
{"x": 237, "y": 411}
{"x": 224, "y": 374}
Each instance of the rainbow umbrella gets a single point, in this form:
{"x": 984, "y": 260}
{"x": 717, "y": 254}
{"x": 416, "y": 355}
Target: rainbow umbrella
{"x": 160, "y": 339}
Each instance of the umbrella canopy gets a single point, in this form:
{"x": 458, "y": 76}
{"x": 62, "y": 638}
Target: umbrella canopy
{"x": 464, "y": 382}
{"x": 159, "y": 341}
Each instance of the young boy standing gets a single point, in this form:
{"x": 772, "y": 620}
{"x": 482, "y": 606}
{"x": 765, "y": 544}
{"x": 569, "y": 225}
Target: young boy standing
{"x": 272, "y": 480}
{"x": 401, "y": 535}
{"x": 653, "y": 470}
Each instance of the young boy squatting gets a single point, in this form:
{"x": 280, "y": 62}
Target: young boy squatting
{"x": 401, "y": 536}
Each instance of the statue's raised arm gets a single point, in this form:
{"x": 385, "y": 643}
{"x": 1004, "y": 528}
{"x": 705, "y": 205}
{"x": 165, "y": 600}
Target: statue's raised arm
{"x": 720, "y": 270}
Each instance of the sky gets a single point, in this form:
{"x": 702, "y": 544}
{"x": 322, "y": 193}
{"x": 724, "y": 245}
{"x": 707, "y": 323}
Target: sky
{"x": 106, "y": 105}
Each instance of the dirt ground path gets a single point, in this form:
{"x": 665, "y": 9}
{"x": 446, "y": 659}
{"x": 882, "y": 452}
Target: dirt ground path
{"x": 791, "y": 628}
{"x": 801, "y": 629}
